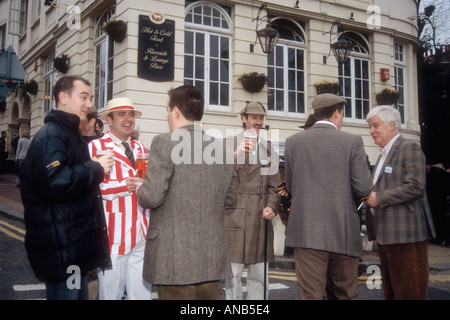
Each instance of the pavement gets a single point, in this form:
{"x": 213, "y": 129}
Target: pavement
{"x": 439, "y": 255}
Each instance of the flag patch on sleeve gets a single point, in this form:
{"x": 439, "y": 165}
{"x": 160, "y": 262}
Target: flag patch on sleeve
{"x": 53, "y": 165}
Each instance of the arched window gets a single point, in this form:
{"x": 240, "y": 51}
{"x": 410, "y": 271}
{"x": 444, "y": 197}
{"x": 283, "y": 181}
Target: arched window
{"x": 49, "y": 81}
{"x": 207, "y": 52}
{"x": 354, "y": 77}
{"x": 104, "y": 64}
{"x": 286, "y": 70}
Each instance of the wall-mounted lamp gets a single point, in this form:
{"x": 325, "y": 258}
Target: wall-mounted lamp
{"x": 341, "y": 48}
{"x": 268, "y": 36}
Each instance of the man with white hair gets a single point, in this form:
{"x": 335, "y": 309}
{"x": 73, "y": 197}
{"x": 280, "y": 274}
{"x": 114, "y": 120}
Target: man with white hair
{"x": 401, "y": 220}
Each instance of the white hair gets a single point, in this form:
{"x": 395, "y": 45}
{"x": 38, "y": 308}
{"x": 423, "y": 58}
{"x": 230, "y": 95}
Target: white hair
{"x": 387, "y": 114}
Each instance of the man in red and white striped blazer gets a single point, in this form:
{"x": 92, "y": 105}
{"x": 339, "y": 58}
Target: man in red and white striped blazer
{"x": 127, "y": 221}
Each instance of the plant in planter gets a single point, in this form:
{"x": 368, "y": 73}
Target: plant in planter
{"x": 253, "y": 81}
{"x": 30, "y": 87}
{"x": 116, "y": 29}
{"x": 387, "y": 96}
{"x": 327, "y": 87}
{"x": 61, "y": 63}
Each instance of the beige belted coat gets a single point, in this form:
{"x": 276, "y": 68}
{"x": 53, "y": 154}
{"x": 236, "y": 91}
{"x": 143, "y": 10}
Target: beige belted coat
{"x": 257, "y": 188}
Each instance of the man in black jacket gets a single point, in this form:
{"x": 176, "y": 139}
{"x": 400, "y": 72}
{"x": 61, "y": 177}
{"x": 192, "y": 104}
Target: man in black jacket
{"x": 66, "y": 229}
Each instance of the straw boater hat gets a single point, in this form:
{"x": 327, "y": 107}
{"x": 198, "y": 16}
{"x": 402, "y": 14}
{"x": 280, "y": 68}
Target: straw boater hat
{"x": 119, "y": 104}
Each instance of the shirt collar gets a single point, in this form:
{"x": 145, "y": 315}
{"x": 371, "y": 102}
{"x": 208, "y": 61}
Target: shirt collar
{"x": 327, "y": 122}
{"x": 384, "y": 151}
{"x": 117, "y": 140}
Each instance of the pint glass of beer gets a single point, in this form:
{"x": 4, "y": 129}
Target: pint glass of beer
{"x": 142, "y": 164}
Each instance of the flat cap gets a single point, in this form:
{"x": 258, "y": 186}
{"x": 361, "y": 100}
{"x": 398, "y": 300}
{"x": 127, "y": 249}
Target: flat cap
{"x": 253, "y": 108}
{"x": 326, "y": 100}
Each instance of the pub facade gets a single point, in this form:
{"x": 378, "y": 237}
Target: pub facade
{"x": 140, "y": 49}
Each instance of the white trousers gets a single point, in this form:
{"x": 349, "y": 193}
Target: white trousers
{"x": 255, "y": 282}
{"x": 126, "y": 274}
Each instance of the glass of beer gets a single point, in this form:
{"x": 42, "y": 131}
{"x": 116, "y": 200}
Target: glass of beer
{"x": 251, "y": 136}
{"x": 101, "y": 153}
{"x": 142, "y": 164}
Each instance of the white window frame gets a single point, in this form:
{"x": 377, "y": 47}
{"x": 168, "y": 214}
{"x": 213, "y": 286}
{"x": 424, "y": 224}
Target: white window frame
{"x": 286, "y": 45}
{"x": 107, "y": 84}
{"x": 400, "y": 64}
{"x": 357, "y": 54}
{"x": 208, "y": 32}
{"x": 49, "y": 82}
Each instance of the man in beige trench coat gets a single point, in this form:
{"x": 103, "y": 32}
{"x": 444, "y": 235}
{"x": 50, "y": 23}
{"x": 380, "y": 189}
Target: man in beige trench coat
{"x": 257, "y": 202}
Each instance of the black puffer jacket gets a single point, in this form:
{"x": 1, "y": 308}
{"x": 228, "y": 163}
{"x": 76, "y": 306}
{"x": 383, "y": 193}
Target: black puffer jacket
{"x": 64, "y": 217}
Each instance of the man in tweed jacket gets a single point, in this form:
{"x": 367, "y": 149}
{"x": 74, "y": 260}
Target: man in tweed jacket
{"x": 186, "y": 249}
{"x": 400, "y": 218}
{"x": 326, "y": 171}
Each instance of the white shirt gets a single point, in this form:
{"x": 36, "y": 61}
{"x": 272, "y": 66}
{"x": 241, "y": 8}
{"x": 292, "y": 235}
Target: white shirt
{"x": 384, "y": 152}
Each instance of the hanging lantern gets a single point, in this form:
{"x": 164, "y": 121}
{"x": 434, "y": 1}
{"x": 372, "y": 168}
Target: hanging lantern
{"x": 341, "y": 49}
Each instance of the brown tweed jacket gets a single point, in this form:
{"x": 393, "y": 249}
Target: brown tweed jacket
{"x": 326, "y": 172}
{"x": 186, "y": 241}
{"x": 403, "y": 215}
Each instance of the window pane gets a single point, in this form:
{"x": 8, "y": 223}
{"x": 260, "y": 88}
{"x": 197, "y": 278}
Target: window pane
{"x": 199, "y": 43}
{"x": 279, "y": 100}
{"x": 291, "y": 58}
{"x": 365, "y": 65}
{"x": 291, "y": 79}
{"x": 357, "y": 69}
{"x": 199, "y": 68}
{"x": 300, "y": 81}
{"x": 188, "y": 42}
{"x": 270, "y": 75}
{"x": 279, "y": 56}
{"x": 358, "y": 89}
{"x": 214, "y": 45}
{"x": 224, "y": 71}
{"x": 214, "y": 70}
{"x": 358, "y": 109}
{"x": 188, "y": 67}
{"x": 270, "y": 99}
{"x": 279, "y": 79}
{"x": 213, "y": 93}
{"x": 348, "y": 108}
{"x": 300, "y": 102}
{"x": 300, "y": 62}
{"x": 292, "y": 102}
{"x": 224, "y": 48}
{"x": 224, "y": 94}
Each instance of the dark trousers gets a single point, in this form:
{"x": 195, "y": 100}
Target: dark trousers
{"x": 404, "y": 270}
{"x": 199, "y": 291}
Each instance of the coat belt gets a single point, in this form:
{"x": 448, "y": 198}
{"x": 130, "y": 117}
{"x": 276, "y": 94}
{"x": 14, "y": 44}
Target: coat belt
{"x": 249, "y": 190}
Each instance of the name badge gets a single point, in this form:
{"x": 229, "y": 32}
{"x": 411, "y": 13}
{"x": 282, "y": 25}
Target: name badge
{"x": 388, "y": 170}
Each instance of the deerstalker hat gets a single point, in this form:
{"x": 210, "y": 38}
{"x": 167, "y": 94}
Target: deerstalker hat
{"x": 326, "y": 100}
{"x": 119, "y": 104}
{"x": 253, "y": 108}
